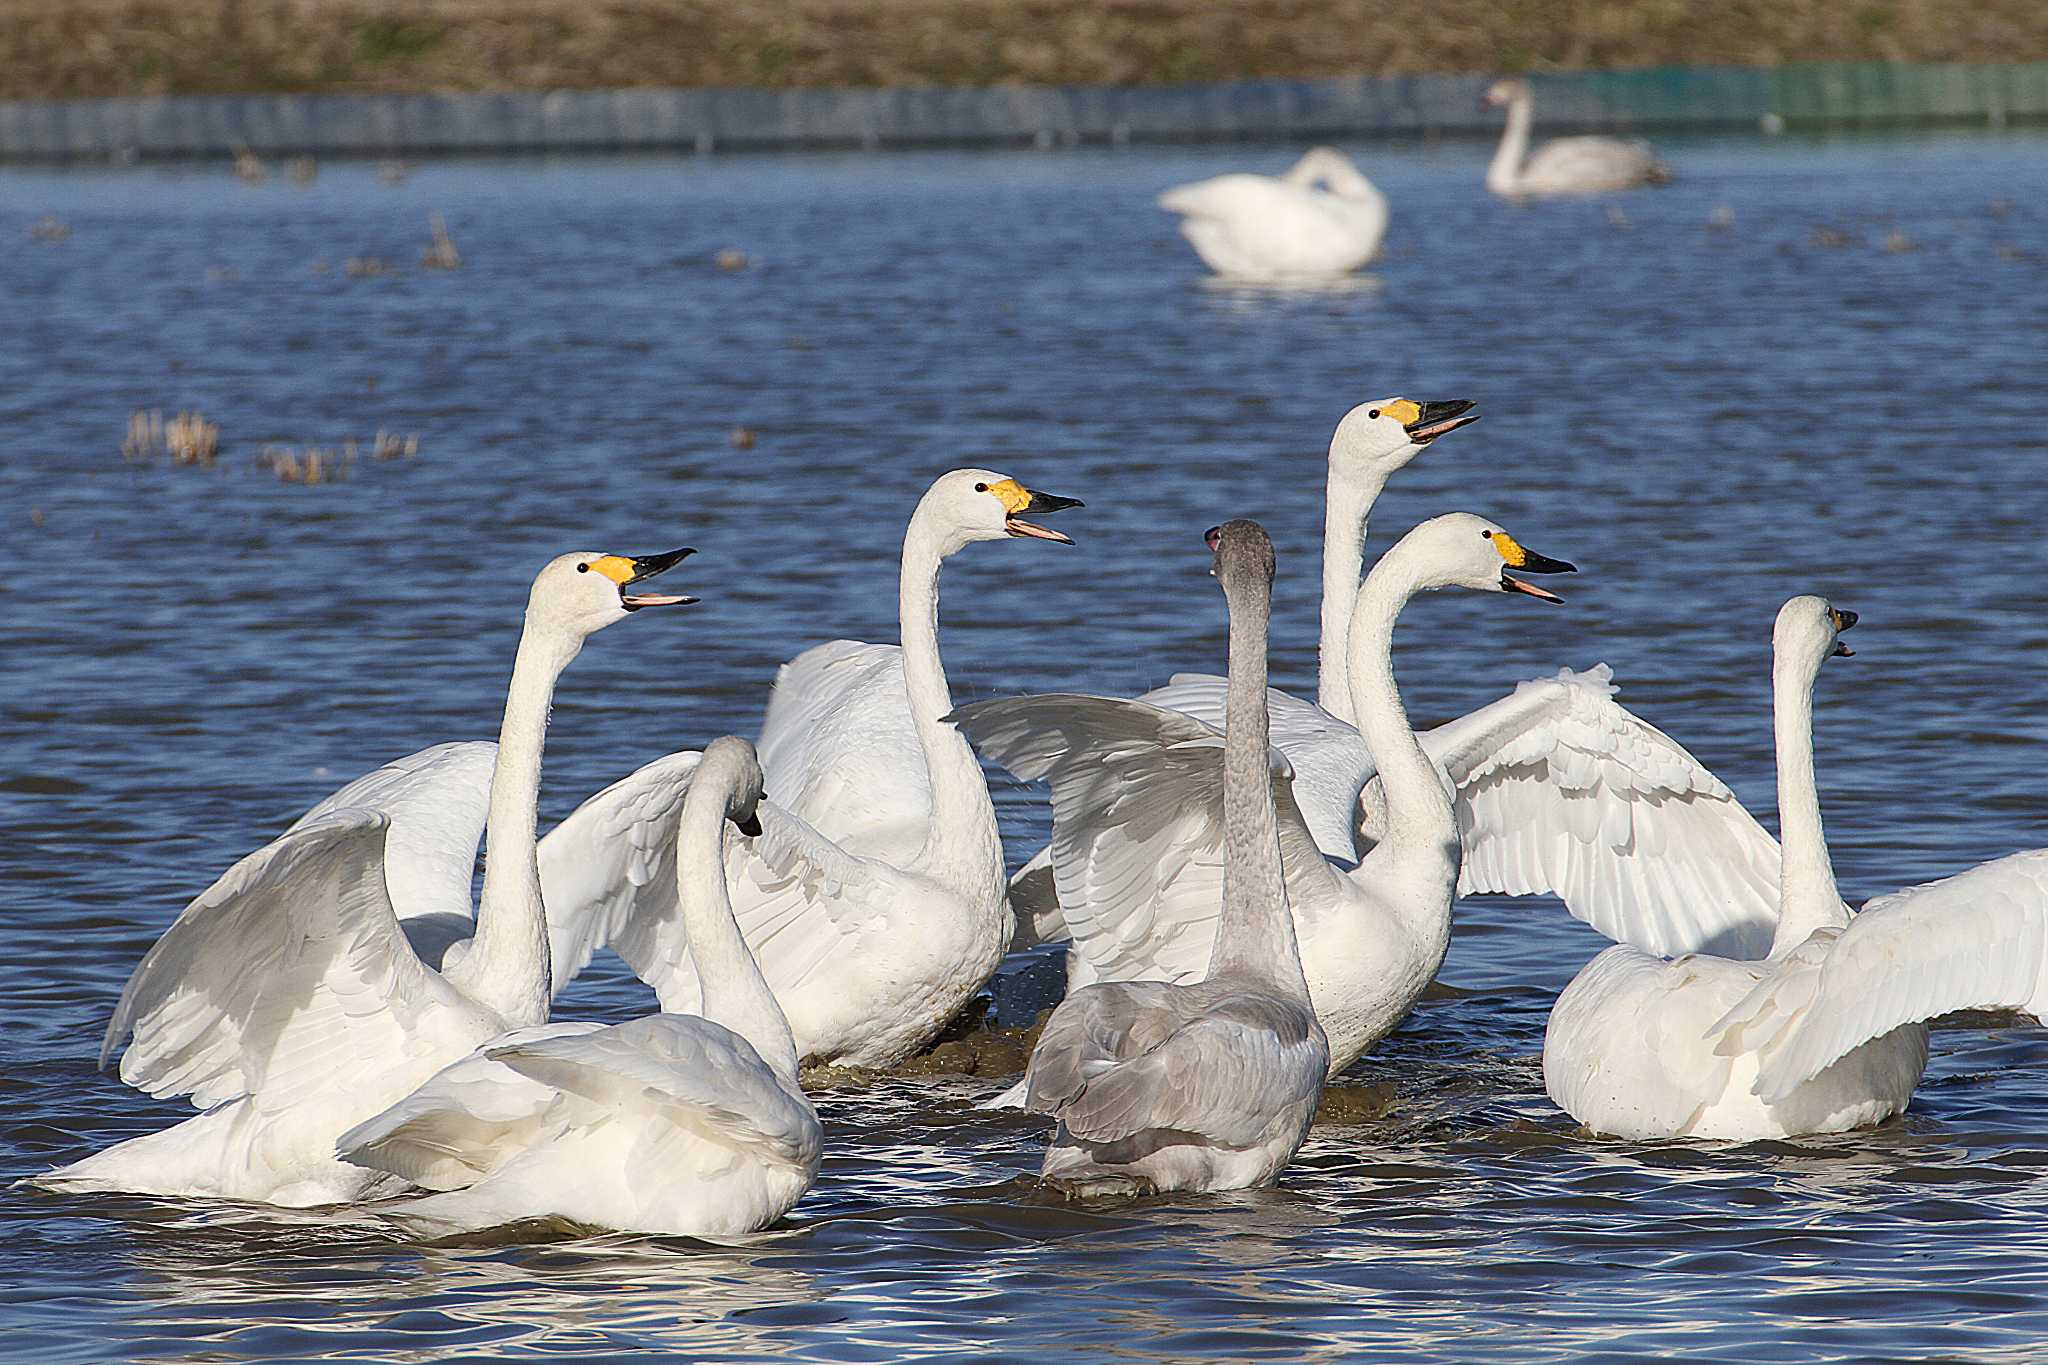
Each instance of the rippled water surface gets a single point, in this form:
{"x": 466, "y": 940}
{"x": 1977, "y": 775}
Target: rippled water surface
{"x": 1706, "y": 420}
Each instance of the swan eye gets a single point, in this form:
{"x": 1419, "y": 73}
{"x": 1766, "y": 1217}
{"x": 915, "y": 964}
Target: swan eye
{"x": 582, "y": 568}
{"x": 1486, "y": 535}
{"x": 1373, "y": 414}
{"x": 981, "y": 488}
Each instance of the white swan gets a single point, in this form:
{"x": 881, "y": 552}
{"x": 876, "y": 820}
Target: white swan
{"x": 290, "y": 1000}
{"x": 1210, "y": 1085}
{"x": 1565, "y": 165}
{"x": 679, "y": 1124}
{"x": 1633, "y": 1050}
{"x": 1560, "y": 789}
{"x": 1319, "y": 219}
{"x": 1136, "y": 807}
{"x": 874, "y": 898}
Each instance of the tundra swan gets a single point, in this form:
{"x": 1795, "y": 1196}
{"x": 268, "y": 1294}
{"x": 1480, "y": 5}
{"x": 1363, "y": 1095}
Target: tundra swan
{"x": 1318, "y": 219}
{"x": 291, "y": 1000}
{"x": 1209, "y": 1085}
{"x": 1643, "y": 1047}
{"x": 1136, "y": 808}
{"x": 1565, "y": 165}
{"x": 1559, "y": 788}
{"x": 680, "y": 1124}
{"x": 874, "y": 898}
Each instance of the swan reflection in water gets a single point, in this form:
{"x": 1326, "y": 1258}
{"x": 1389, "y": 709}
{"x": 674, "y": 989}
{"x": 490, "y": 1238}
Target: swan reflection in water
{"x": 248, "y": 1283}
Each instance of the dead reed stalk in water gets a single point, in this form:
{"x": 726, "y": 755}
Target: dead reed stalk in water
{"x": 442, "y": 255}
{"x": 187, "y": 438}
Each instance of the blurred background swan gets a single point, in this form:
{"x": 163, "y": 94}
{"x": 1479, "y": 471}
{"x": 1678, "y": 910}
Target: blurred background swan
{"x": 1564, "y": 165}
{"x": 1319, "y": 220}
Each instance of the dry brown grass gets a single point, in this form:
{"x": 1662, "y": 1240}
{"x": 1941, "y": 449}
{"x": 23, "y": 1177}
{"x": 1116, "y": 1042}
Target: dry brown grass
{"x": 54, "y": 48}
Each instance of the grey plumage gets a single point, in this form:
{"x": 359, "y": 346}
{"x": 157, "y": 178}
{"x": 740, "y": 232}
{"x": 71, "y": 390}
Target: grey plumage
{"x": 1157, "y": 1086}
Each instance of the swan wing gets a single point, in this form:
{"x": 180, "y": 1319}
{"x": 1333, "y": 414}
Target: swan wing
{"x": 1560, "y": 789}
{"x": 608, "y": 873}
{"x": 839, "y": 748}
{"x": 1137, "y": 844}
{"x": 676, "y": 1066}
{"x": 464, "y": 1122}
{"x": 1330, "y": 758}
{"x": 1977, "y": 940}
{"x": 1120, "y": 1058}
{"x": 288, "y": 977}
{"x": 799, "y": 897}
{"x": 436, "y": 801}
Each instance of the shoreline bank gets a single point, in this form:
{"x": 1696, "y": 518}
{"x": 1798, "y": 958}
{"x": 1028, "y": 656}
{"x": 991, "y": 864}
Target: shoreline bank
{"x": 1831, "y": 95}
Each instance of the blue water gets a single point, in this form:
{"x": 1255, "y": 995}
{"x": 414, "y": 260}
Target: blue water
{"x": 1705, "y": 420}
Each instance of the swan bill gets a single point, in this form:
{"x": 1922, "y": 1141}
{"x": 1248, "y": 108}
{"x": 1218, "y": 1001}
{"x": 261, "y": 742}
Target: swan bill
{"x": 1508, "y": 584}
{"x": 626, "y": 570}
{"x": 1842, "y": 619}
{"x": 1432, "y": 420}
{"x": 1017, "y": 500}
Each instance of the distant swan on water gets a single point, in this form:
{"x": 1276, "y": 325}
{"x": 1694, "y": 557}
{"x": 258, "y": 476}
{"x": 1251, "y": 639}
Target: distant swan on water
{"x": 1565, "y": 165}
{"x": 1318, "y": 220}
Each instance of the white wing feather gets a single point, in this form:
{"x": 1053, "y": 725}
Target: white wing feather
{"x": 1137, "y": 846}
{"x": 288, "y": 977}
{"x": 436, "y": 801}
{"x": 839, "y": 748}
{"x": 1562, "y": 790}
{"x": 608, "y": 876}
{"x": 1977, "y": 940}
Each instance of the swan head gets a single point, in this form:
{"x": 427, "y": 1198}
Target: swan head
{"x": 1244, "y": 554}
{"x": 1505, "y": 91}
{"x": 1388, "y": 432}
{"x": 1809, "y": 629}
{"x": 583, "y": 593}
{"x": 1460, "y": 550}
{"x": 980, "y": 504}
{"x": 730, "y": 763}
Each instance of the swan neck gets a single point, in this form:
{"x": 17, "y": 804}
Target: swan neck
{"x": 1346, "y": 504}
{"x": 1419, "y": 816}
{"x": 735, "y": 994}
{"x": 1807, "y": 896}
{"x": 1255, "y": 931}
{"x": 962, "y": 840}
{"x": 1334, "y": 170}
{"x": 1505, "y": 173}
{"x": 507, "y": 968}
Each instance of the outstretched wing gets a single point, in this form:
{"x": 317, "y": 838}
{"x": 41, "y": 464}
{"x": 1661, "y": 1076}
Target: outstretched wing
{"x": 608, "y": 875}
{"x": 1137, "y": 843}
{"x": 839, "y": 749}
{"x": 1122, "y": 1058}
{"x": 1331, "y": 762}
{"x": 288, "y": 977}
{"x": 1562, "y": 790}
{"x": 1977, "y": 940}
{"x": 436, "y": 801}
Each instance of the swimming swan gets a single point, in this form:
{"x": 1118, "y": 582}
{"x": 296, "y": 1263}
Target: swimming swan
{"x": 1319, "y": 219}
{"x": 290, "y": 1000}
{"x": 678, "y": 1124}
{"x": 874, "y": 898}
{"x": 1136, "y": 807}
{"x": 1565, "y": 165}
{"x": 1210, "y": 1085}
{"x": 1642, "y": 1047}
{"x": 1559, "y": 788}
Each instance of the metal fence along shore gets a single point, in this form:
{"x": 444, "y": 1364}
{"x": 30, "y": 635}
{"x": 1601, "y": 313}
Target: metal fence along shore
{"x": 1711, "y": 98}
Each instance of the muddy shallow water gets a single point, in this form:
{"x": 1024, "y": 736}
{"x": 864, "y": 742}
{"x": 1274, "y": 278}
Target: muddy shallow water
{"x": 1842, "y": 391}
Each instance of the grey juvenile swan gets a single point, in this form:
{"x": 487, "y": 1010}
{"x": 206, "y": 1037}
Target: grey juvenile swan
{"x": 1208, "y": 1086}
